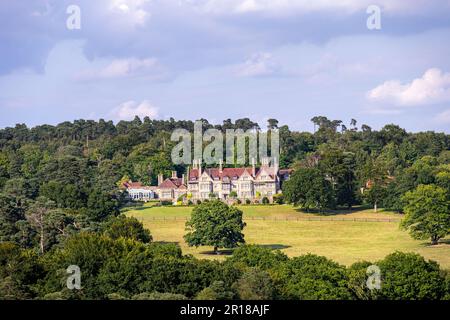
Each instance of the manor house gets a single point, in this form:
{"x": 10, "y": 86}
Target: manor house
{"x": 225, "y": 183}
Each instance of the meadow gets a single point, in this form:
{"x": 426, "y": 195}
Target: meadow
{"x": 345, "y": 236}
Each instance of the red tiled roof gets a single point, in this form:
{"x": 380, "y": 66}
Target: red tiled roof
{"x": 172, "y": 183}
{"x": 132, "y": 184}
{"x": 231, "y": 173}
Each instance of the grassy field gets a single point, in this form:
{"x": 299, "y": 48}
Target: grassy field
{"x": 356, "y": 238}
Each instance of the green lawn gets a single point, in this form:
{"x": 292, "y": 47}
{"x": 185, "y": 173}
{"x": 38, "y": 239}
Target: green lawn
{"x": 343, "y": 241}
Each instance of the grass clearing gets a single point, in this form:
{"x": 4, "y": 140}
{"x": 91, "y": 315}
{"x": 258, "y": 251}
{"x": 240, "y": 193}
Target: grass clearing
{"x": 343, "y": 241}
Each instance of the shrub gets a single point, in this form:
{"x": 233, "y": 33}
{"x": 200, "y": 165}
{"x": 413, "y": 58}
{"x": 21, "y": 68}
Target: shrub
{"x": 311, "y": 277}
{"x": 127, "y": 227}
{"x": 257, "y": 256}
{"x": 408, "y": 276}
{"x": 216, "y": 291}
{"x": 265, "y": 200}
{"x": 255, "y": 284}
{"x": 158, "y": 296}
{"x": 278, "y": 198}
{"x": 357, "y": 281}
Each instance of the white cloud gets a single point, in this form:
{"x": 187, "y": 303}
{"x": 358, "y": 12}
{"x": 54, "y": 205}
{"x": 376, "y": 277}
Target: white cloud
{"x": 129, "y": 109}
{"x": 433, "y": 87}
{"x": 120, "y": 68}
{"x": 260, "y": 64}
{"x": 134, "y": 10}
{"x": 443, "y": 117}
{"x": 308, "y": 6}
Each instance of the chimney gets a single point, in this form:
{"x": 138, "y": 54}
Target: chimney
{"x": 188, "y": 172}
{"x": 174, "y": 174}
{"x": 220, "y": 165}
{"x": 199, "y": 167}
{"x": 160, "y": 179}
{"x": 275, "y": 165}
{"x": 182, "y": 179}
{"x": 253, "y": 167}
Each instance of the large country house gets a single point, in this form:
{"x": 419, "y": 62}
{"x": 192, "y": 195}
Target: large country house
{"x": 223, "y": 183}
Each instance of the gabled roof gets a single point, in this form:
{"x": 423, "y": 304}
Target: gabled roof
{"x": 172, "y": 183}
{"x": 215, "y": 173}
{"x": 268, "y": 170}
{"x": 137, "y": 185}
{"x": 228, "y": 174}
{"x": 132, "y": 185}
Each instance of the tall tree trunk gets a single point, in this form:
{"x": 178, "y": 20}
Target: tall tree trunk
{"x": 434, "y": 240}
{"x": 41, "y": 242}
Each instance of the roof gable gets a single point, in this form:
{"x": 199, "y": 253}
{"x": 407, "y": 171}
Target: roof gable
{"x": 171, "y": 183}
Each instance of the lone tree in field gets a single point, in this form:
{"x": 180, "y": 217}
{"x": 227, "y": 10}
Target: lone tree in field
{"x": 427, "y": 213}
{"x": 215, "y": 224}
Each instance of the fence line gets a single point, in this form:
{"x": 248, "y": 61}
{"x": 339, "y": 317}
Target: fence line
{"x": 286, "y": 219}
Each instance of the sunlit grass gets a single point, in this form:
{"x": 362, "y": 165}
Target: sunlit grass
{"x": 343, "y": 241}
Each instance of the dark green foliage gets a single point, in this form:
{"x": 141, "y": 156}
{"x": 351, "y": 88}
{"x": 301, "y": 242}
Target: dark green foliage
{"x": 310, "y": 277}
{"x": 255, "y": 284}
{"x": 158, "y": 296}
{"x": 100, "y": 206}
{"x": 309, "y": 188}
{"x": 357, "y": 281}
{"x": 427, "y": 211}
{"x": 407, "y": 276}
{"x": 127, "y": 227}
{"x": 257, "y": 256}
{"x": 339, "y": 168}
{"x": 127, "y": 269}
{"x": 75, "y": 167}
{"x": 278, "y": 199}
{"x": 11, "y": 212}
{"x": 216, "y": 291}
{"x": 215, "y": 224}
{"x": 19, "y": 272}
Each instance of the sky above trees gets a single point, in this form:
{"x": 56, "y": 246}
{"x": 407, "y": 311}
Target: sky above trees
{"x": 218, "y": 59}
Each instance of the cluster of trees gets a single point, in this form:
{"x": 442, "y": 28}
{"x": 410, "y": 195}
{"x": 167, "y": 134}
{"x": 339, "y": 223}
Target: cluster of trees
{"x": 399, "y": 171}
{"x": 373, "y": 167}
{"x": 421, "y": 191}
{"x": 127, "y": 268}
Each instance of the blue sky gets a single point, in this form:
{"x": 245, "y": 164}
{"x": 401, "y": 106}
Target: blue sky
{"x": 219, "y": 59}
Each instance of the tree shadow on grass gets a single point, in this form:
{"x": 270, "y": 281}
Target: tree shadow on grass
{"x": 335, "y": 212}
{"x": 441, "y": 243}
{"x": 229, "y": 252}
{"x": 167, "y": 242}
{"x": 220, "y": 252}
